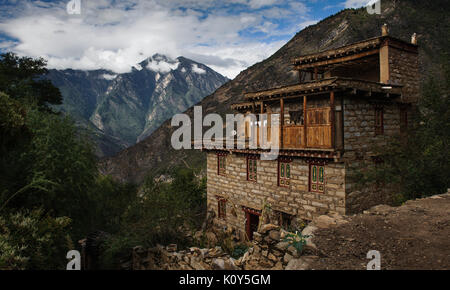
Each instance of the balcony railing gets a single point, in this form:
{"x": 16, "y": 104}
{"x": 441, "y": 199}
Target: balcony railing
{"x": 314, "y": 133}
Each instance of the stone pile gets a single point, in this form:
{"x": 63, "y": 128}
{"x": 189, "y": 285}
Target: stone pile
{"x": 167, "y": 258}
{"x": 268, "y": 251}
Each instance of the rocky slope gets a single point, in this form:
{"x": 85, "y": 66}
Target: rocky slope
{"x": 404, "y": 17}
{"x": 123, "y": 109}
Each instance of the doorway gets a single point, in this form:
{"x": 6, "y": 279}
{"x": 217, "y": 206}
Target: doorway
{"x": 252, "y": 221}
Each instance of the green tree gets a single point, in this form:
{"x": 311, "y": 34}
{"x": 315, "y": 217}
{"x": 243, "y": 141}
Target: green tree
{"x": 22, "y": 78}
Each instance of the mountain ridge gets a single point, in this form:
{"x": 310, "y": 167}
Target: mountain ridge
{"x": 123, "y": 109}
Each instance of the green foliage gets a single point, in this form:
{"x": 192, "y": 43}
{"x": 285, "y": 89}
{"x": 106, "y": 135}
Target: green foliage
{"x": 109, "y": 200}
{"x": 32, "y": 240}
{"x": 163, "y": 213}
{"x": 54, "y": 168}
{"x": 21, "y": 78}
{"x": 418, "y": 164}
{"x": 297, "y": 240}
{"x": 239, "y": 250}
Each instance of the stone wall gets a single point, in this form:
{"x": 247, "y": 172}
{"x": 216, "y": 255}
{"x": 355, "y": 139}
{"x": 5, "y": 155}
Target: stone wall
{"x": 404, "y": 70}
{"x": 294, "y": 200}
{"x": 360, "y": 141}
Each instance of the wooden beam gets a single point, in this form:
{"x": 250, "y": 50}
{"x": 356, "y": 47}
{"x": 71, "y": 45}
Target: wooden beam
{"x": 333, "y": 108}
{"x": 281, "y": 121}
{"x": 337, "y": 60}
{"x": 304, "y": 122}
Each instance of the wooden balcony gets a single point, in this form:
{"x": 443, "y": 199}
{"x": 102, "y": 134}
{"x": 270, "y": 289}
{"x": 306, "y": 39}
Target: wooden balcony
{"x": 313, "y": 129}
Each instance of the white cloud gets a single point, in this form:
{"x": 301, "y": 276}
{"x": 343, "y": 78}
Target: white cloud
{"x": 116, "y": 35}
{"x": 108, "y": 77}
{"x": 358, "y": 3}
{"x": 162, "y": 66}
{"x": 260, "y": 3}
{"x": 198, "y": 70}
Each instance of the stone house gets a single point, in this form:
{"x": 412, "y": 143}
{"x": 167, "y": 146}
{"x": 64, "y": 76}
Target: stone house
{"x": 347, "y": 101}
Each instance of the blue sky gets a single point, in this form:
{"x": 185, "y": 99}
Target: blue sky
{"x": 228, "y": 36}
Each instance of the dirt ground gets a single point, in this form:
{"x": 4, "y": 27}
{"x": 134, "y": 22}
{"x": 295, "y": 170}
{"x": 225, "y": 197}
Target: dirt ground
{"x": 413, "y": 236}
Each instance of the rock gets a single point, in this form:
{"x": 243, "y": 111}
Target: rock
{"x": 257, "y": 237}
{"x": 308, "y": 233}
{"x": 302, "y": 263}
{"x": 277, "y": 253}
{"x": 197, "y": 265}
{"x": 266, "y": 263}
{"x": 293, "y": 251}
{"x": 381, "y": 209}
{"x": 272, "y": 257}
{"x": 244, "y": 258}
{"x": 230, "y": 264}
{"x": 324, "y": 222}
{"x": 172, "y": 248}
{"x": 268, "y": 227}
{"x": 287, "y": 258}
{"x": 218, "y": 264}
{"x": 215, "y": 252}
{"x": 278, "y": 266}
{"x": 274, "y": 235}
{"x": 282, "y": 246}
{"x": 211, "y": 238}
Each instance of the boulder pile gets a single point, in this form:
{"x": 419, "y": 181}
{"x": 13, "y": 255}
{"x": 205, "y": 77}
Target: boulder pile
{"x": 269, "y": 250}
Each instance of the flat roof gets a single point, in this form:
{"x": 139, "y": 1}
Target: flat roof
{"x": 357, "y": 49}
{"x": 314, "y": 87}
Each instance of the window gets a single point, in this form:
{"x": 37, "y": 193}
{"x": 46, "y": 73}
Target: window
{"x": 379, "y": 127}
{"x": 317, "y": 178}
{"x": 222, "y": 208}
{"x": 251, "y": 169}
{"x": 284, "y": 173}
{"x": 221, "y": 164}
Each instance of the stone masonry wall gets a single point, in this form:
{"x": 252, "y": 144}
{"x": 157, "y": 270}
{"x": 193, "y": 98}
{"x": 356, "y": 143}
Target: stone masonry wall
{"x": 294, "y": 200}
{"x": 404, "y": 70}
{"x": 360, "y": 141}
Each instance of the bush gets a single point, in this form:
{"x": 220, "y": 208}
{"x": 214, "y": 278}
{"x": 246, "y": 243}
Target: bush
{"x": 33, "y": 240}
{"x": 163, "y": 213}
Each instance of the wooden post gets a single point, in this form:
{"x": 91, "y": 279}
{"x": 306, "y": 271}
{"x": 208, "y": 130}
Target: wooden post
{"x": 304, "y": 122}
{"x": 332, "y": 119}
{"x": 315, "y": 73}
{"x": 261, "y": 125}
{"x": 281, "y": 121}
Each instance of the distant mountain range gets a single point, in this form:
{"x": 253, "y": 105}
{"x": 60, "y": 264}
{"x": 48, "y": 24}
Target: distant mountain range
{"x": 404, "y": 17}
{"x": 122, "y": 109}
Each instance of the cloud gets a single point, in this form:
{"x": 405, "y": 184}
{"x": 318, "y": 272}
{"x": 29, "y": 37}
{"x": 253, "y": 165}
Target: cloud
{"x": 198, "y": 70}
{"x": 162, "y": 66}
{"x": 108, "y": 77}
{"x": 358, "y": 3}
{"x": 227, "y": 36}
